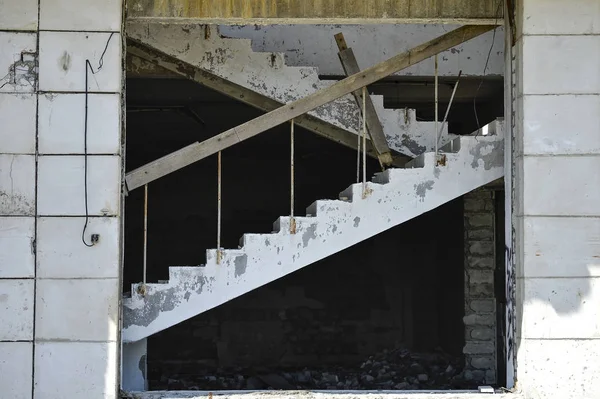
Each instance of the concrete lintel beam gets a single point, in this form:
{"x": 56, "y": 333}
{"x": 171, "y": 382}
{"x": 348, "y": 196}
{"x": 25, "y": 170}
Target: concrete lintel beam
{"x": 269, "y": 12}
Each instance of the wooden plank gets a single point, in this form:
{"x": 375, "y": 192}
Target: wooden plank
{"x": 318, "y": 126}
{"x": 197, "y": 151}
{"x": 350, "y": 65}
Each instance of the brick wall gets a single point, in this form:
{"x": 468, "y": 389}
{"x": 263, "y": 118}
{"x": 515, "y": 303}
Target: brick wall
{"x": 480, "y": 305}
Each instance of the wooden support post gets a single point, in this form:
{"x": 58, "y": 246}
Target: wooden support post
{"x": 197, "y": 151}
{"x": 374, "y": 126}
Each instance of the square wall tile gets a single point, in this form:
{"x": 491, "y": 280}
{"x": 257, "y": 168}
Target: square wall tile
{"x": 578, "y": 254}
{"x": 565, "y": 369}
{"x": 16, "y": 310}
{"x": 561, "y": 124}
{"x": 559, "y": 17}
{"x": 561, "y": 64}
{"x": 559, "y": 185}
{"x": 77, "y": 310}
{"x": 17, "y": 235}
{"x": 61, "y": 188}
{"x": 62, "y": 121}
{"x": 19, "y": 15}
{"x": 64, "y": 255}
{"x": 80, "y": 15}
{"x": 561, "y": 308}
{"x": 63, "y": 58}
{"x": 16, "y": 370}
{"x": 17, "y": 185}
{"x": 59, "y": 364}
{"x": 17, "y": 121}
{"x": 17, "y": 62}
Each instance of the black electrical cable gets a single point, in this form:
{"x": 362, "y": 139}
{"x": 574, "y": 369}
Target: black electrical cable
{"x": 88, "y": 67}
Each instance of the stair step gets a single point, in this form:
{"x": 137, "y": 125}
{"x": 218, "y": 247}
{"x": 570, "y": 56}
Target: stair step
{"x": 451, "y": 147}
{"x": 184, "y": 273}
{"x": 313, "y": 208}
{"x": 226, "y": 255}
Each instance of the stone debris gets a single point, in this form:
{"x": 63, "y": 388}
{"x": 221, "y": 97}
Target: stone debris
{"x": 389, "y": 370}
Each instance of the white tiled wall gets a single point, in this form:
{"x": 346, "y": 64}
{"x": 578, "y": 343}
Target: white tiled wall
{"x": 558, "y": 199}
{"x": 75, "y": 370}
{"x": 75, "y": 259}
{"x": 62, "y": 122}
{"x": 17, "y": 185}
{"x": 17, "y": 131}
{"x": 88, "y": 309}
{"x": 61, "y": 185}
{"x": 72, "y": 351}
{"x": 80, "y": 15}
{"x": 17, "y": 237}
{"x": 63, "y": 61}
{"x": 16, "y": 310}
{"x": 13, "y": 45}
{"x": 16, "y": 370}
{"x": 19, "y": 15}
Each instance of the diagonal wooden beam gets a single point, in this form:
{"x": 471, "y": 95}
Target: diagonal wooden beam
{"x": 197, "y": 151}
{"x": 350, "y": 66}
{"x": 245, "y": 95}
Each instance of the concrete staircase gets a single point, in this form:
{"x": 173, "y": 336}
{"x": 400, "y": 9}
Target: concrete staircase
{"x": 267, "y": 74}
{"x": 330, "y": 226}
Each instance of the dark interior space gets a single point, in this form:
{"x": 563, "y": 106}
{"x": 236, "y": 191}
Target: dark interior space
{"x": 392, "y": 304}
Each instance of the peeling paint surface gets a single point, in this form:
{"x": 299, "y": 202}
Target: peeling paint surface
{"x": 267, "y": 74}
{"x": 399, "y": 195}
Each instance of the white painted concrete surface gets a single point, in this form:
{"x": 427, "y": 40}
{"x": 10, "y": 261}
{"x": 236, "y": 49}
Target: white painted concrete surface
{"x": 330, "y": 226}
{"x": 98, "y": 299}
{"x": 75, "y": 370}
{"x": 61, "y": 180}
{"x": 16, "y": 310}
{"x": 68, "y": 349}
{"x": 17, "y": 134}
{"x": 19, "y": 15}
{"x": 557, "y": 199}
{"x": 314, "y": 45}
{"x": 14, "y": 75}
{"x": 62, "y": 117}
{"x": 75, "y": 259}
{"x": 80, "y": 15}
{"x": 268, "y": 74}
{"x": 17, "y": 236}
{"x": 62, "y": 61}
{"x": 16, "y": 370}
{"x": 17, "y": 185}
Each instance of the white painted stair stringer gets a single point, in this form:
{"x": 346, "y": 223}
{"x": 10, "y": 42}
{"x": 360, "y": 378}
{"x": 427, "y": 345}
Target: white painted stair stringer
{"x": 395, "y": 196}
{"x": 267, "y": 74}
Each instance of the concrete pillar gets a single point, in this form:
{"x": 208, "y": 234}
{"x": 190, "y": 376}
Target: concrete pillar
{"x": 134, "y": 366}
{"x": 556, "y": 209}
{"x": 58, "y": 298}
{"x": 480, "y": 304}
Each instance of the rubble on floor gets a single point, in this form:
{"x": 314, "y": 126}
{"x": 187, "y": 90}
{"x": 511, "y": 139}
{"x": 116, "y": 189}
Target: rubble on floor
{"x": 393, "y": 370}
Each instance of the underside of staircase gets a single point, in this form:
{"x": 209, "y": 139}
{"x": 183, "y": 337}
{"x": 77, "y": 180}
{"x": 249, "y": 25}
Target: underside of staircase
{"x": 330, "y": 226}
{"x": 266, "y": 76}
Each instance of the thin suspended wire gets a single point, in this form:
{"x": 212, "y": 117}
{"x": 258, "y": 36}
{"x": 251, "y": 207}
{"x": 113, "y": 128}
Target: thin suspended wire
{"x": 364, "y": 138}
{"x": 292, "y": 220}
{"x": 145, "y": 232}
{"x": 219, "y": 208}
